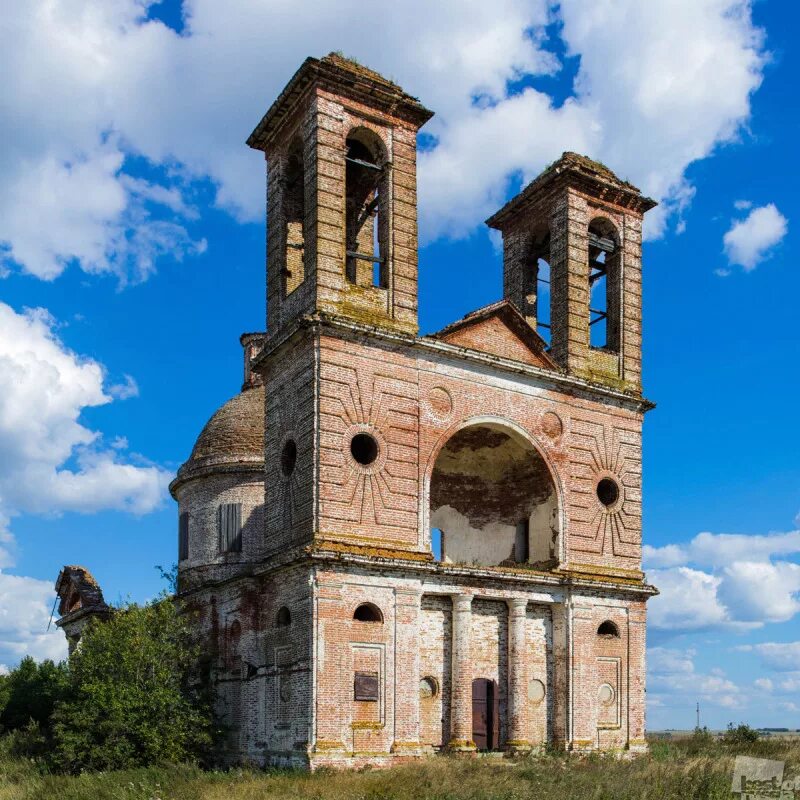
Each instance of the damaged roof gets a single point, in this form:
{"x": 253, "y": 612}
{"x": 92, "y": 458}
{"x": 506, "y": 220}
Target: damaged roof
{"x": 583, "y": 172}
{"x": 345, "y": 77}
{"x": 76, "y": 580}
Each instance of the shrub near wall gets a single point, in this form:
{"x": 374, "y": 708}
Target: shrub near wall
{"x": 129, "y": 702}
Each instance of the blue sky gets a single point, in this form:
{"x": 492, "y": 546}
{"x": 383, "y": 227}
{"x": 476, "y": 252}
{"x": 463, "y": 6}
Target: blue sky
{"x": 133, "y": 214}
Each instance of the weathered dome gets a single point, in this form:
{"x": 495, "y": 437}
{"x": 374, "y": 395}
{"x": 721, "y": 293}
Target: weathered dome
{"x": 233, "y": 437}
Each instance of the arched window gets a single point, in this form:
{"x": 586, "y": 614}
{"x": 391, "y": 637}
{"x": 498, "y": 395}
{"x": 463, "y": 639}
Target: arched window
{"x": 366, "y": 210}
{"x": 284, "y": 618}
{"x": 608, "y": 629}
{"x": 294, "y": 211}
{"x": 537, "y": 283}
{"x": 368, "y": 612}
{"x": 604, "y": 286}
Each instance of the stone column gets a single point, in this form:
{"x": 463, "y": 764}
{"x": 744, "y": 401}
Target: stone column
{"x": 517, "y": 677}
{"x": 461, "y": 701}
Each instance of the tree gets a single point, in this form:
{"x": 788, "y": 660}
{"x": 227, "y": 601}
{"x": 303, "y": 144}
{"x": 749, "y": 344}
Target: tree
{"x": 30, "y": 692}
{"x": 130, "y": 702}
{"x": 739, "y": 735}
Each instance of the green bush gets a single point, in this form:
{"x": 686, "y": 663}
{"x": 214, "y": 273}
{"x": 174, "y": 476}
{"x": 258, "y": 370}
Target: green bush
{"x": 129, "y": 701}
{"x": 30, "y": 692}
{"x": 701, "y": 741}
{"x": 740, "y": 735}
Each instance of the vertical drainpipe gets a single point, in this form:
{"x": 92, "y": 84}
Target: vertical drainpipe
{"x": 570, "y": 660}
{"x": 316, "y": 642}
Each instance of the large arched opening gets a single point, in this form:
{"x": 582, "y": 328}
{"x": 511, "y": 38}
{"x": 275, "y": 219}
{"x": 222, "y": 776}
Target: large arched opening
{"x": 493, "y": 500}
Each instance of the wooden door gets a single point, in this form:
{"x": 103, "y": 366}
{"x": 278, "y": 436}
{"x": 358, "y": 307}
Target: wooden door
{"x": 484, "y": 714}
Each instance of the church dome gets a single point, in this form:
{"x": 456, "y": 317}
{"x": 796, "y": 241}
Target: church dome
{"x": 233, "y": 437}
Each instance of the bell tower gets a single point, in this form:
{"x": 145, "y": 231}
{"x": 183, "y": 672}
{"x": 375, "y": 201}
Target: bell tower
{"x": 340, "y": 145}
{"x": 572, "y": 264}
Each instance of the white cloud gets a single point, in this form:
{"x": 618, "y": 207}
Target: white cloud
{"x": 660, "y": 85}
{"x": 761, "y": 592}
{"x": 725, "y": 580}
{"x": 687, "y": 601}
{"x": 50, "y": 461}
{"x": 742, "y": 205}
{"x": 779, "y": 656}
{"x": 791, "y": 684}
{"x": 25, "y": 606}
{"x": 751, "y": 240}
{"x": 720, "y": 549}
{"x": 125, "y": 390}
{"x": 765, "y": 684}
{"x": 672, "y": 671}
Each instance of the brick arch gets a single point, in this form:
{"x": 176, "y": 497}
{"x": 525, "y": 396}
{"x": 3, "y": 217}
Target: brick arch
{"x": 518, "y": 434}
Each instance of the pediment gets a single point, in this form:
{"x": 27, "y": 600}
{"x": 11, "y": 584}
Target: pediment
{"x": 499, "y": 330}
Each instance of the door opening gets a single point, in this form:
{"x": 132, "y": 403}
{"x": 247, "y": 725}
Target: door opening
{"x": 485, "y": 714}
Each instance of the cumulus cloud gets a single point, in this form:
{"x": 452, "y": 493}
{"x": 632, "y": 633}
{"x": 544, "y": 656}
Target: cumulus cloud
{"x": 779, "y": 656}
{"x": 125, "y": 390}
{"x": 687, "y": 601}
{"x": 761, "y": 592}
{"x": 751, "y": 240}
{"x": 660, "y": 85}
{"x": 672, "y": 671}
{"x": 725, "y": 580}
{"x": 25, "y": 606}
{"x": 50, "y": 461}
{"x": 719, "y": 549}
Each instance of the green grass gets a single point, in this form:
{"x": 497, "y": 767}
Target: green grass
{"x": 680, "y": 770}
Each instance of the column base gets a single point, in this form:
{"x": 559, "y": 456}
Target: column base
{"x": 638, "y": 746}
{"x": 462, "y": 746}
{"x": 582, "y": 745}
{"x": 408, "y": 748}
{"x": 518, "y": 747}
{"x": 328, "y": 746}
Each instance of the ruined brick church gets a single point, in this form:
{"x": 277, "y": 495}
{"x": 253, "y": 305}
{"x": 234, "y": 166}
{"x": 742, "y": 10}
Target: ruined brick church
{"x": 398, "y": 544}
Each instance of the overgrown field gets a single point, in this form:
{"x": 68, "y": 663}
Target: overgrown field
{"x": 679, "y": 770}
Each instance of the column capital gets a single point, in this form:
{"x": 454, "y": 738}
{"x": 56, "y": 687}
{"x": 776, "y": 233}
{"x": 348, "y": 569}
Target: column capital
{"x": 517, "y": 604}
{"x": 462, "y": 602}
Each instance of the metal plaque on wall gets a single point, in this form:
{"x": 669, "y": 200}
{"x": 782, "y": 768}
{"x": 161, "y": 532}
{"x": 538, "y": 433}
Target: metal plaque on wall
{"x": 366, "y": 686}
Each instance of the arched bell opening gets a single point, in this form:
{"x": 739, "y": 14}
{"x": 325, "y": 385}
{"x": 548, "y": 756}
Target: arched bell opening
{"x": 493, "y": 500}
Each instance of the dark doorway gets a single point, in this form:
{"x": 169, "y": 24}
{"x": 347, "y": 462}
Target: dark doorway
{"x": 485, "y": 714}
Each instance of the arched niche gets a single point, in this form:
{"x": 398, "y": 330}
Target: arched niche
{"x": 494, "y": 499}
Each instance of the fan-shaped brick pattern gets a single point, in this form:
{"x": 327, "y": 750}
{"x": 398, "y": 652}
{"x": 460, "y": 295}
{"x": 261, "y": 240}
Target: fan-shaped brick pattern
{"x": 375, "y": 394}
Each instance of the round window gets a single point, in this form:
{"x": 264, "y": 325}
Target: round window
{"x": 608, "y": 492}
{"x": 605, "y": 694}
{"x": 536, "y": 691}
{"x": 288, "y": 457}
{"x": 428, "y": 687}
{"x": 364, "y": 448}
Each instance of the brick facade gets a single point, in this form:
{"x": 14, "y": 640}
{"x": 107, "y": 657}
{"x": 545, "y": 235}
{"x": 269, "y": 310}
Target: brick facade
{"x": 340, "y": 635}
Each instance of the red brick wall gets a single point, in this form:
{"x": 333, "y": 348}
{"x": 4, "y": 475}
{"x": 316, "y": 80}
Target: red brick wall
{"x": 413, "y": 405}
